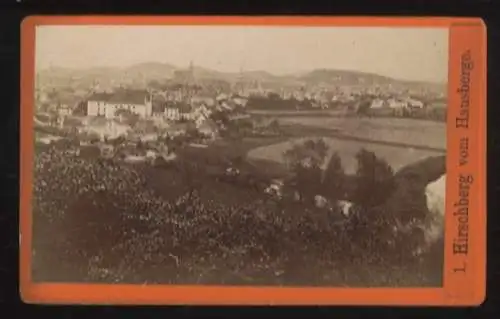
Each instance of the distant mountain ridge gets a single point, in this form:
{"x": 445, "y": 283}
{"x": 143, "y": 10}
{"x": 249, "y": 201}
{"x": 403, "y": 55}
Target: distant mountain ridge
{"x": 162, "y": 71}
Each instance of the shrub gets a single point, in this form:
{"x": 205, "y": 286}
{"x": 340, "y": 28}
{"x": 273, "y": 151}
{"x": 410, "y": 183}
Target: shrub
{"x": 334, "y": 179}
{"x": 112, "y": 222}
{"x": 374, "y": 179}
{"x": 305, "y": 160}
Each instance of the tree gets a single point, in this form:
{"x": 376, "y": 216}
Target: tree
{"x": 118, "y": 141}
{"x": 306, "y": 103}
{"x": 241, "y": 127}
{"x": 129, "y": 117}
{"x": 52, "y": 95}
{"x": 177, "y": 142}
{"x": 44, "y": 107}
{"x": 311, "y": 153}
{"x": 306, "y": 160}
{"x": 334, "y": 178}
{"x": 274, "y": 96}
{"x": 408, "y": 201}
{"x": 220, "y": 117}
{"x": 274, "y": 126}
{"x": 374, "y": 179}
{"x": 192, "y": 133}
{"x": 363, "y": 107}
{"x": 140, "y": 145}
{"x": 81, "y": 109}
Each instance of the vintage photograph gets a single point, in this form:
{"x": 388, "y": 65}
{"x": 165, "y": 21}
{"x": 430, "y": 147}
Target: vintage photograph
{"x": 240, "y": 155}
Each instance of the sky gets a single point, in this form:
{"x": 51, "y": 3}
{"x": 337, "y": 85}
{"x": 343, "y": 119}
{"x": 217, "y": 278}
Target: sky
{"x": 419, "y": 54}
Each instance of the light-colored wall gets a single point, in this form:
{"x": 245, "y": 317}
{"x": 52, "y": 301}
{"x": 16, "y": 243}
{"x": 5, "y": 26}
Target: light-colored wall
{"x": 148, "y": 108}
{"x": 377, "y": 104}
{"x": 92, "y": 108}
{"x": 172, "y": 113}
{"x": 95, "y": 108}
{"x": 109, "y": 110}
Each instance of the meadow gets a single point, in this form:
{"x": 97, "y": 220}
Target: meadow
{"x": 397, "y": 157}
{"x": 398, "y": 130}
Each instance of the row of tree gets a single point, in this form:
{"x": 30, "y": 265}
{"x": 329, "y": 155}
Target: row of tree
{"x": 392, "y": 207}
{"x": 370, "y": 186}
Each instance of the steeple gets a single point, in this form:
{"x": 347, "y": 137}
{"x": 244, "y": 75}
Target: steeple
{"x": 192, "y": 77}
{"x": 240, "y": 75}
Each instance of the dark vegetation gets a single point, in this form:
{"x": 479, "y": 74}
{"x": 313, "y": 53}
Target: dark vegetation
{"x": 432, "y": 113}
{"x": 275, "y": 102}
{"x": 189, "y": 223}
{"x": 231, "y": 128}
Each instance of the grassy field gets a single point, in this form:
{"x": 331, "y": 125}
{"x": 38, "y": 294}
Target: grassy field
{"x": 235, "y": 153}
{"x": 397, "y": 157}
{"x": 265, "y": 153}
{"x": 409, "y": 131}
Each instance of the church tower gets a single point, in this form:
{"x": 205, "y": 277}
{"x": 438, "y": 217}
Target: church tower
{"x": 239, "y": 85}
{"x": 240, "y": 75}
{"x": 191, "y": 73}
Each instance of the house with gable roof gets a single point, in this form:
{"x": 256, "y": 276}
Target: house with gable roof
{"x": 208, "y": 128}
{"x": 107, "y": 104}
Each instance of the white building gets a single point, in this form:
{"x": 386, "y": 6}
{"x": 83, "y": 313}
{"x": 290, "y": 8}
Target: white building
{"x": 377, "y": 104}
{"x": 64, "y": 110}
{"x": 415, "y": 103}
{"x": 107, "y": 104}
{"x": 397, "y": 104}
{"x": 208, "y": 128}
{"x": 201, "y": 113}
{"x": 172, "y": 113}
{"x": 210, "y": 101}
{"x": 178, "y": 112}
{"x": 240, "y": 101}
{"x": 200, "y": 119}
{"x": 107, "y": 129}
{"x": 222, "y": 97}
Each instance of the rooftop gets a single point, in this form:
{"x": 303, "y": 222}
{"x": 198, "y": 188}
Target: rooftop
{"x": 181, "y": 106}
{"x": 122, "y": 96}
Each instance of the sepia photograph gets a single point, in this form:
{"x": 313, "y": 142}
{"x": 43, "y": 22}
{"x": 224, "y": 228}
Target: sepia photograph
{"x": 239, "y": 155}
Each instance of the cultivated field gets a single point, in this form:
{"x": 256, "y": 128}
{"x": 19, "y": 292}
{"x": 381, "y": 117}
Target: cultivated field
{"x": 399, "y": 130}
{"x": 397, "y": 157}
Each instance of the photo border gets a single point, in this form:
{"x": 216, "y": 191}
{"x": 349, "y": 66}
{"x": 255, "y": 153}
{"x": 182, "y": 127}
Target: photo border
{"x": 459, "y": 288}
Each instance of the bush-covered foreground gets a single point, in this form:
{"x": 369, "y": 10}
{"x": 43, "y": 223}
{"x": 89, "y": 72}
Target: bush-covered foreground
{"x": 109, "y": 222}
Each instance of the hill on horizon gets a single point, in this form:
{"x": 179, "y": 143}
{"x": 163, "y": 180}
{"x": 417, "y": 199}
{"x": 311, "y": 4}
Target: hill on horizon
{"x": 163, "y": 71}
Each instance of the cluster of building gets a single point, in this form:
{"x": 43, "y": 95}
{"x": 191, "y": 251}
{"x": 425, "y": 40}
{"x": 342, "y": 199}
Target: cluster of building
{"x": 166, "y": 105}
{"x": 396, "y": 103}
{"x": 194, "y": 100}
